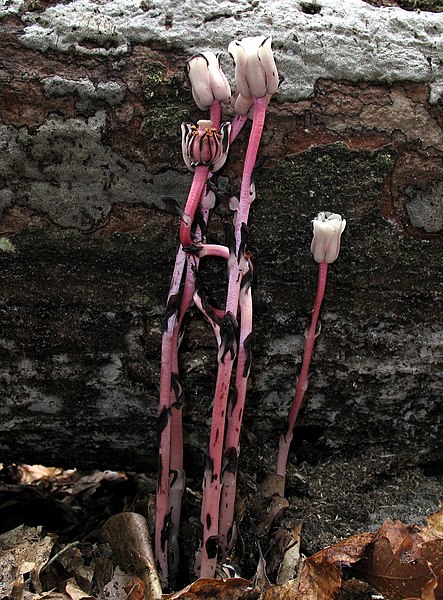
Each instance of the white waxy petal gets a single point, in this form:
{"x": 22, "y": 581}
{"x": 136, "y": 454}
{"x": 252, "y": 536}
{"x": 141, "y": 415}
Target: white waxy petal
{"x": 328, "y": 228}
{"x": 220, "y": 87}
{"x": 255, "y": 70}
{"x": 199, "y": 78}
{"x": 239, "y": 55}
{"x": 242, "y": 104}
{"x": 267, "y": 60}
{"x": 186, "y": 128}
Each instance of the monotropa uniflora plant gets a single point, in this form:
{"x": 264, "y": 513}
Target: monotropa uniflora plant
{"x": 205, "y": 147}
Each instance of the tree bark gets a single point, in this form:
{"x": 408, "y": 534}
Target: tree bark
{"x": 92, "y": 98}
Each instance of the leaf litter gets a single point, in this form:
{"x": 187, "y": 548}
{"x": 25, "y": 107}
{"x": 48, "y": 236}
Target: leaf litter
{"x": 101, "y": 548}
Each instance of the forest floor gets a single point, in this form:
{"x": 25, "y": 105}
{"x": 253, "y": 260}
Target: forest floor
{"x": 60, "y": 534}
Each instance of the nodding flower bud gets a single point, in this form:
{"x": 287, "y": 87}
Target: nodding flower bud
{"x": 255, "y": 71}
{"x": 203, "y": 145}
{"x": 208, "y": 81}
{"x": 328, "y": 228}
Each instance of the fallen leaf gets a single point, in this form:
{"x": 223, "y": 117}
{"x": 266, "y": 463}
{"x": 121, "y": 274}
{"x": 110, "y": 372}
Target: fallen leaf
{"x": 128, "y": 535}
{"x": 30, "y": 552}
{"x": 135, "y": 590}
{"x": 291, "y": 557}
{"x": 213, "y": 589}
{"x": 74, "y": 592}
{"x": 115, "y": 588}
{"x": 403, "y": 562}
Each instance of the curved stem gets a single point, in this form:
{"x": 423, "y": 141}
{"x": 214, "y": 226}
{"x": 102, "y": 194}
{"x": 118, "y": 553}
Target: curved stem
{"x": 302, "y": 384}
{"x": 195, "y": 193}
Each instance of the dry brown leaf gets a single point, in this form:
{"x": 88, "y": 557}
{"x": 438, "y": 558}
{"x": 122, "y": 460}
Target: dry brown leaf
{"x": 30, "y": 553}
{"x": 291, "y": 558}
{"x": 115, "y": 588}
{"x": 9, "y": 572}
{"x": 402, "y": 562}
{"x": 286, "y": 591}
{"x": 318, "y": 581}
{"x": 268, "y": 503}
{"x": 128, "y": 535}
{"x": 213, "y": 589}
{"x": 428, "y": 590}
{"x": 434, "y": 528}
{"x": 33, "y": 473}
{"x": 74, "y": 592}
{"x": 135, "y": 590}
{"x": 73, "y": 562}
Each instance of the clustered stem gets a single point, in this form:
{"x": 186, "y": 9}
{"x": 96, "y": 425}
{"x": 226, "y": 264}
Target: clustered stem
{"x": 232, "y": 339}
{"x": 212, "y": 511}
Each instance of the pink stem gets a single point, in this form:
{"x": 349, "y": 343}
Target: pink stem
{"x": 170, "y": 468}
{"x": 302, "y": 384}
{"x": 212, "y": 477}
{"x": 237, "y": 126}
{"x": 195, "y": 193}
{"x": 162, "y": 507}
{"x": 235, "y": 417}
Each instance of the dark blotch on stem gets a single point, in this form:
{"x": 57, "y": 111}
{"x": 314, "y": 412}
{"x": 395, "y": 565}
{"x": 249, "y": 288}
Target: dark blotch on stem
{"x": 162, "y": 419}
{"x": 209, "y": 464}
{"x": 166, "y": 530}
{"x": 231, "y": 459}
{"x": 244, "y": 232}
{"x": 178, "y": 390}
{"x": 233, "y": 398}
{"x": 174, "y": 474}
{"x": 212, "y": 546}
{"x": 230, "y": 238}
{"x": 172, "y": 308}
{"x": 247, "y": 345}
{"x": 247, "y": 279}
{"x": 228, "y": 334}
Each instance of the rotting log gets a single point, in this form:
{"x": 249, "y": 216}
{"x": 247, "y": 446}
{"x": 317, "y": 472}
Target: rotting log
{"x": 92, "y": 98}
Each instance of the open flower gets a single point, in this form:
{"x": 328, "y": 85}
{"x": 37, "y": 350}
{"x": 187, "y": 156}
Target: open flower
{"x": 203, "y": 145}
{"x": 208, "y": 81}
{"x": 255, "y": 71}
{"x": 328, "y": 228}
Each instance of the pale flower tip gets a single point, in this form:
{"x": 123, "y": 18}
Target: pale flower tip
{"x": 255, "y": 70}
{"x": 207, "y": 79}
{"x": 327, "y": 228}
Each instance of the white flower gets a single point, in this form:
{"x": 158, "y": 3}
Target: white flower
{"x": 255, "y": 71}
{"x": 328, "y": 228}
{"x": 208, "y": 81}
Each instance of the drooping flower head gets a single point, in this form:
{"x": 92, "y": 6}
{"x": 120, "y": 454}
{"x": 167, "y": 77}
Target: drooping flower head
{"x": 328, "y": 228}
{"x": 255, "y": 71}
{"x": 204, "y": 145}
{"x": 208, "y": 81}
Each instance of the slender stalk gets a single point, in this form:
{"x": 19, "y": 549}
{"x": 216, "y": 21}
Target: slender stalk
{"x": 195, "y": 193}
{"x": 235, "y": 416}
{"x": 227, "y": 353}
{"x": 302, "y": 384}
{"x": 162, "y": 506}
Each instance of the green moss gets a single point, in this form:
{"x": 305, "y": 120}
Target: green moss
{"x": 330, "y": 174}
{"x": 153, "y": 77}
{"x": 168, "y": 105}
